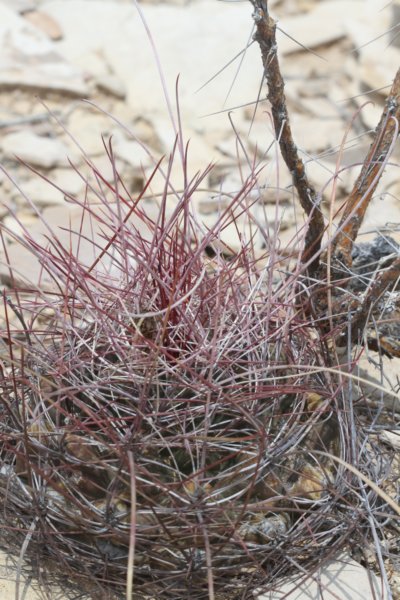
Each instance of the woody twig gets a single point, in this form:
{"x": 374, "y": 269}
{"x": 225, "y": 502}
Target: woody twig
{"x": 266, "y": 37}
{"x": 367, "y": 181}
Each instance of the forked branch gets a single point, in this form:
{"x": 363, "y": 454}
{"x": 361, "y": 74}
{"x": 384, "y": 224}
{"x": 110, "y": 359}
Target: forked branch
{"x": 366, "y": 183}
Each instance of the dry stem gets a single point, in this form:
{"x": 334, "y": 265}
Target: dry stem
{"x": 265, "y": 36}
{"x": 367, "y": 181}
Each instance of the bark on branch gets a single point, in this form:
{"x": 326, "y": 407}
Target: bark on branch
{"x": 367, "y": 181}
{"x": 266, "y": 37}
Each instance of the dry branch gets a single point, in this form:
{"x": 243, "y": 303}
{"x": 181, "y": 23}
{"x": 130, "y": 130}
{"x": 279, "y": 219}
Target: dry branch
{"x": 266, "y": 37}
{"x": 367, "y": 181}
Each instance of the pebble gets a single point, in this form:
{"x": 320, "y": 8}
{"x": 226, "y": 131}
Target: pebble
{"x": 21, "y": 6}
{"x": 306, "y": 29}
{"x": 45, "y": 23}
{"x": 31, "y": 60}
{"x": 111, "y": 84}
{"x": 34, "y": 149}
{"x": 344, "y": 579}
{"x": 41, "y": 193}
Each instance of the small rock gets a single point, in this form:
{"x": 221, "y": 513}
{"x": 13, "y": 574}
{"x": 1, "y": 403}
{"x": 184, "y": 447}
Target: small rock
{"x": 62, "y": 221}
{"x": 382, "y": 212}
{"x": 307, "y": 28}
{"x": 395, "y": 38}
{"x": 88, "y": 127}
{"x": 45, "y": 23}
{"x": 42, "y": 193}
{"x": 68, "y": 181}
{"x": 3, "y": 211}
{"x": 392, "y": 438}
{"x": 232, "y": 237}
{"x": 120, "y": 35}
{"x": 280, "y": 216}
{"x": 34, "y": 149}
{"x": 144, "y": 130}
{"x": 323, "y": 174}
{"x": 111, "y": 84}
{"x": 370, "y": 110}
{"x": 316, "y": 135}
{"x": 209, "y": 205}
{"x": 30, "y": 59}
{"x": 272, "y": 195}
{"x": 344, "y": 579}
{"x": 228, "y": 147}
{"x": 92, "y": 64}
{"x": 21, "y": 6}
{"x": 131, "y": 152}
{"x": 15, "y": 226}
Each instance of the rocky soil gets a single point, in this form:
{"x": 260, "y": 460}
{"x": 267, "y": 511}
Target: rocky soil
{"x": 74, "y": 73}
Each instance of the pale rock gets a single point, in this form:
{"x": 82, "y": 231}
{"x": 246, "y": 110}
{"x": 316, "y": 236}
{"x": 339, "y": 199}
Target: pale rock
{"x": 232, "y": 184}
{"x": 104, "y": 166}
{"x": 390, "y": 180}
{"x": 34, "y": 149}
{"x": 321, "y": 107}
{"x": 272, "y": 195}
{"x": 327, "y": 178}
{"x": 22, "y": 6}
{"x": 131, "y": 152}
{"x": 378, "y": 73}
{"x": 370, "y": 110}
{"x": 316, "y": 135}
{"x": 344, "y": 579}
{"x": 382, "y": 212}
{"x": 87, "y": 126}
{"x": 229, "y": 147}
{"x": 42, "y": 193}
{"x": 200, "y": 153}
{"x": 191, "y": 54}
{"x": 363, "y": 29}
{"x": 92, "y": 63}
{"x": 254, "y": 223}
{"x": 166, "y": 133}
{"x": 233, "y": 236}
{"x": 144, "y": 130}
{"x": 278, "y": 217}
{"x": 391, "y": 438}
{"x": 4, "y": 211}
{"x": 324, "y": 24}
{"x": 212, "y": 205}
{"x": 68, "y": 180}
{"x": 395, "y": 23}
{"x": 10, "y": 573}
{"x": 16, "y": 226}
{"x": 377, "y": 57}
{"x": 275, "y": 172}
{"x": 158, "y": 184}
{"x": 30, "y": 60}
{"x": 380, "y": 389}
{"x": 111, "y": 84}
{"x": 80, "y": 233}
{"x": 261, "y": 139}
{"x": 45, "y": 23}
{"x": 199, "y": 156}
{"x": 312, "y": 89}
{"x": 80, "y": 38}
